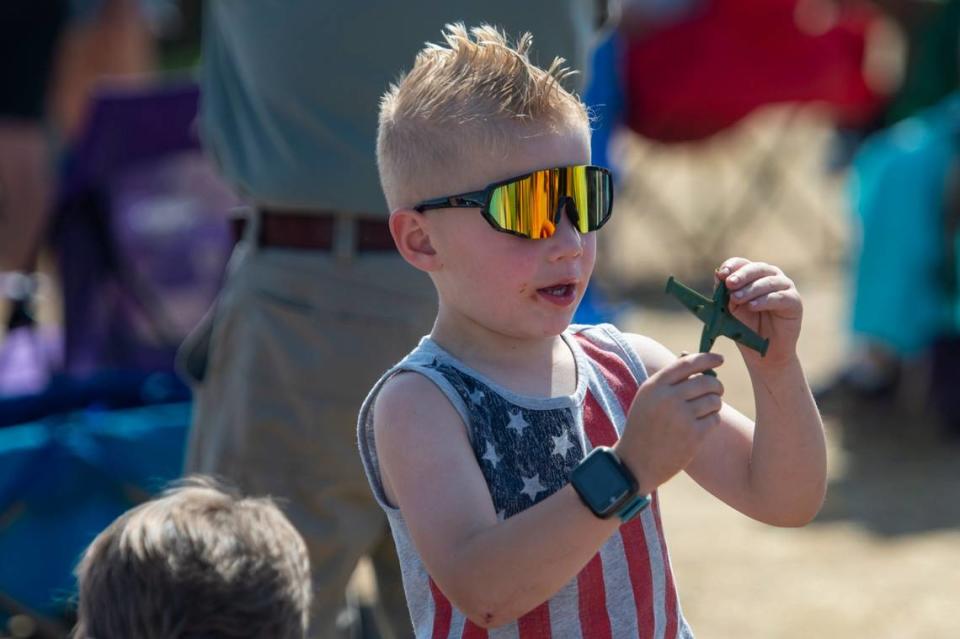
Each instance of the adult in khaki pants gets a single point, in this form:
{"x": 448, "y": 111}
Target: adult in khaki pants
{"x": 317, "y": 303}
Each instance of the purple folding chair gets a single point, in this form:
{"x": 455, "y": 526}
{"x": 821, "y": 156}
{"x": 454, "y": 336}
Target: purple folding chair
{"x": 141, "y": 231}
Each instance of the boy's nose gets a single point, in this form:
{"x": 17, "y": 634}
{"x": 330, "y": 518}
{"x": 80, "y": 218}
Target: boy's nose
{"x": 567, "y": 241}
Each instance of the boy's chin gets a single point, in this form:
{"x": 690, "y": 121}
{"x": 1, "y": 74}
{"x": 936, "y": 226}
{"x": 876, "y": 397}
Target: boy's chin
{"x": 556, "y": 327}
{"x": 531, "y": 331}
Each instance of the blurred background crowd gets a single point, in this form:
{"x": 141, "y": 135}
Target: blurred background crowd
{"x": 820, "y": 134}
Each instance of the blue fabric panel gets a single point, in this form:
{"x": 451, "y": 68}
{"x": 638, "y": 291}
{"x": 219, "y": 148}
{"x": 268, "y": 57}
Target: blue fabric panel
{"x": 63, "y": 479}
{"x": 897, "y": 198}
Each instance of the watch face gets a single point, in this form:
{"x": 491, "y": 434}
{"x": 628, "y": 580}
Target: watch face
{"x": 601, "y": 483}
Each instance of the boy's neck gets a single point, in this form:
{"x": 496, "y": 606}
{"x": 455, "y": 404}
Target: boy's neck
{"x": 543, "y": 367}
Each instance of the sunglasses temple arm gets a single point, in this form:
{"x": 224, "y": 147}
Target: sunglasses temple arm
{"x": 475, "y": 199}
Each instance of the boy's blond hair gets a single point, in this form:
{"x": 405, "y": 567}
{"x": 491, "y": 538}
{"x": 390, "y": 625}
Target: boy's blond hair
{"x": 475, "y": 98}
{"x": 195, "y": 562}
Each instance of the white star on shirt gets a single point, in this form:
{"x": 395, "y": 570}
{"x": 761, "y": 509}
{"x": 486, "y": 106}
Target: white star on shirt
{"x": 476, "y": 396}
{"x": 517, "y": 422}
{"x": 561, "y": 444}
{"x": 532, "y": 487}
{"x": 491, "y": 455}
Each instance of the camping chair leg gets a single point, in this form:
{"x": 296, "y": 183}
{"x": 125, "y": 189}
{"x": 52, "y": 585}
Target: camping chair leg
{"x": 656, "y": 207}
{"x": 21, "y": 290}
{"x": 769, "y": 173}
{"x": 19, "y": 316}
{"x": 46, "y": 628}
{"x": 748, "y": 204}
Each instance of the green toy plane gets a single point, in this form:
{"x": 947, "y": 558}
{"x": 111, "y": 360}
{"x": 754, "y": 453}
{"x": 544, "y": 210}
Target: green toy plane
{"x": 716, "y": 317}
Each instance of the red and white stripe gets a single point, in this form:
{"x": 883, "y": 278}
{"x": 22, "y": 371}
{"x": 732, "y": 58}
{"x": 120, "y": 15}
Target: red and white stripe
{"x": 613, "y": 382}
{"x": 627, "y": 590}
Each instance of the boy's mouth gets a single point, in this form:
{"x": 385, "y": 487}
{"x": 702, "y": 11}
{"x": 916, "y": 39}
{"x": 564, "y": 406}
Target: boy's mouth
{"x": 559, "y": 294}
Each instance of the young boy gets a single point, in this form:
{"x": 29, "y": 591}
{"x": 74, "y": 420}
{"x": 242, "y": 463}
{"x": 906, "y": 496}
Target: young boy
{"x": 195, "y": 562}
{"x": 477, "y": 443}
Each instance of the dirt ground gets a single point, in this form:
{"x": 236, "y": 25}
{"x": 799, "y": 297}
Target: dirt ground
{"x": 882, "y": 560}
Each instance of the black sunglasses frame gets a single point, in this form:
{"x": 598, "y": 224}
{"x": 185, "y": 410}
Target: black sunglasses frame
{"x": 481, "y": 199}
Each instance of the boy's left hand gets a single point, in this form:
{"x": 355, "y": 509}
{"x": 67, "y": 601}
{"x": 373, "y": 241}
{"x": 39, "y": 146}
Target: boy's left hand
{"x": 768, "y": 302}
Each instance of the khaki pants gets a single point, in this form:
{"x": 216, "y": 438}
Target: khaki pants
{"x": 295, "y": 342}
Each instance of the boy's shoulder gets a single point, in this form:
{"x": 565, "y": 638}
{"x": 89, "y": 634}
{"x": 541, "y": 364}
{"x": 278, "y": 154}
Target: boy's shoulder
{"x": 417, "y": 384}
{"x": 407, "y": 388}
{"x": 411, "y": 380}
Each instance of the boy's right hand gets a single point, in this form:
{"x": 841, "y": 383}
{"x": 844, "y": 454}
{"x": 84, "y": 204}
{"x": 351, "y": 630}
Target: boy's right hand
{"x": 670, "y": 415}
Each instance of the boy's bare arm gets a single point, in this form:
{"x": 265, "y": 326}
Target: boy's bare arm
{"x": 492, "y": 571}
{"x": 774, "y": 471}
{"x": 497, "y": 571}
{"x": 773, "y": 475}
{"x": 789, "y": 464}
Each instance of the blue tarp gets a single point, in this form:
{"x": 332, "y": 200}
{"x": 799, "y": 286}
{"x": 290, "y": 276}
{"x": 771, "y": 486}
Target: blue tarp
{"x": 65, "y": 478}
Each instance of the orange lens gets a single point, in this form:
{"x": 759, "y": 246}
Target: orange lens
{"x": 529, "y": 206}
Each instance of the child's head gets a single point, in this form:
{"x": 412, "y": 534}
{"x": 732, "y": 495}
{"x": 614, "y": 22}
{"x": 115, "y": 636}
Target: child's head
{"x": 470, "y": 114}
{"x": 195, "y": 562}
{"x": 464, "y": 108}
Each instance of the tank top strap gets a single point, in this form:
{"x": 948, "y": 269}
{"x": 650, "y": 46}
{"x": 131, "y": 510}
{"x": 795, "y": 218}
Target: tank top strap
{"x": 606, "y": 347}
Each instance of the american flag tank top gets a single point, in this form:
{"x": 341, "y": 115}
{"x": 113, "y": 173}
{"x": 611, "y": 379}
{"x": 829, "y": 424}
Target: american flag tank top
{"x": 526, "y": 448}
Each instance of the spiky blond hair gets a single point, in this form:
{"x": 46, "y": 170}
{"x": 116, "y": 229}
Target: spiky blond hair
{"x": 465, "y": 100}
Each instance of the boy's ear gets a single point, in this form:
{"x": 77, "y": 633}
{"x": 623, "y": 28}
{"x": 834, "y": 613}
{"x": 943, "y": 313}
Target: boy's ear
{"x": 410, "y": 232}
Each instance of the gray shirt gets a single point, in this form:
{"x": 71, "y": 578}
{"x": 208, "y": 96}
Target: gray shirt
{"x": 291, "y": 88}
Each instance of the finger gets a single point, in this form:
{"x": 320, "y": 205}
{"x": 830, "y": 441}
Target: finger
{"x": 730, "y": 265}
{"x": 708, "y": 421}
{"x": 787, "y": 303}
{"x": 700, "y": 385}
{"x": 703, "y": 406}
{"x": 683, "y": 367}
{"x": 749, "y": 273}
{"x": 762, "y": 286}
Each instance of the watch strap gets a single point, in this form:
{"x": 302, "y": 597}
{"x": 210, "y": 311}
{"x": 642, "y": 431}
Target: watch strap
{"x": 634, "y": 507}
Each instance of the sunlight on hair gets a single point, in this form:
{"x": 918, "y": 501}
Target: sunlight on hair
{"x": 472, "y": 92}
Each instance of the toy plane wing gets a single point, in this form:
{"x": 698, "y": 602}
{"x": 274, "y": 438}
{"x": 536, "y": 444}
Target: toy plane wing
{"x": 739, "y": 332}
{"x": 716, "y": 317}
{"x": 699, "y": 305}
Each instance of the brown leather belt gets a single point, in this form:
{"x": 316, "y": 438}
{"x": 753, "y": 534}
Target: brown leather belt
{"x": 316, "y": 231}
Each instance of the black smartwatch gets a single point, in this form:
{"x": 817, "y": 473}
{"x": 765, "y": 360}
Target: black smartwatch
{"x": 607, "y": 486}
